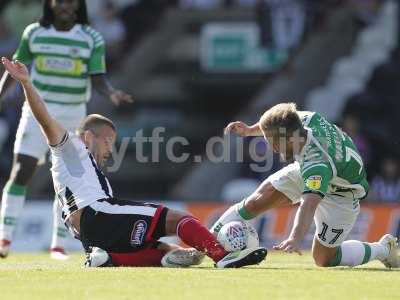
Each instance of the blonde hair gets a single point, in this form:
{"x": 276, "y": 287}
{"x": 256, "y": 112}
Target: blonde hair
{"x": 283, "y": 115}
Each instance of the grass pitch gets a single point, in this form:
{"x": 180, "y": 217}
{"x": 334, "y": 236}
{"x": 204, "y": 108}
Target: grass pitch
{"x": 281, "y": 276}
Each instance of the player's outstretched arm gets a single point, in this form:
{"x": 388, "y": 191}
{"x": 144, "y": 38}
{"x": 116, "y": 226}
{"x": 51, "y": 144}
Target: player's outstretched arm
{"x": 302, "y": 222}
{"x": 242, "y": 129}
{"x": 53, "y": 131}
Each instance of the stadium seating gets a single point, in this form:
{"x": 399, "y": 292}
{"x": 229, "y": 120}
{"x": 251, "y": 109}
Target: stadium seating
{"x": 349, "y": 75}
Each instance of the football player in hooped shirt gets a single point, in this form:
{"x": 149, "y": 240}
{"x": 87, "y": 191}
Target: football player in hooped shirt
{"x": 327, "y": 178}
{"x": 112, "y": 231}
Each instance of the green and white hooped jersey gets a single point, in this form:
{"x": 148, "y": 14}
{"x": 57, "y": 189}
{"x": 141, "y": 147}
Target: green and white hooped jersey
{"x": 62, "y": 61}
{"x": 330, "y": 162}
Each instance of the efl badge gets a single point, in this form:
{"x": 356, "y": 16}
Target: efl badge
{"x": 314, "y": 182}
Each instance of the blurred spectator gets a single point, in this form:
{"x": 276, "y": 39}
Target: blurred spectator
{"x": 386, "y": 186}
{"x": 351, "y": 125}
{"x": 28, "y": 11}
{"x": 288, "y": 19}
{"x": 111, "y": 27}
{"x": 95, "y": 7}
{"x": 263, "y": 15}
{"x": 8, "y": 42}
{"x": 140, "y": 17}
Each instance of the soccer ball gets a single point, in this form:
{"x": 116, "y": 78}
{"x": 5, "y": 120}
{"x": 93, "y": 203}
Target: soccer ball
{"x": 238, "y": 235}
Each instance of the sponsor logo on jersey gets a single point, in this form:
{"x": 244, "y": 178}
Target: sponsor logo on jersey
{"x": 59, "y": 65}
{"x": 314, "y": 182}
{"x": 138, "y": 233}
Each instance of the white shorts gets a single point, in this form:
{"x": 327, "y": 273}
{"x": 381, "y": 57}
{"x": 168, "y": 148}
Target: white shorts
{"x": 30, "y": 140}
{"x": 335, "y": 215}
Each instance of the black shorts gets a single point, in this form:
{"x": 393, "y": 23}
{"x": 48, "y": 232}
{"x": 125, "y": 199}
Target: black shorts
{"x": 122, "y": 226}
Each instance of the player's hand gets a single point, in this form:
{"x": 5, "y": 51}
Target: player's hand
{"x": 290, "y": 245}
{"x": 117, "y": 97}
{"x": 238, "y": 127}
{"x": 17, "y": 70}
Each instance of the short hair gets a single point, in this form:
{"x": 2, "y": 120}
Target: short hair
{"x": 47, "y": 17}
{"x": 93, "y": 122}
{"x": 283, "y": 115}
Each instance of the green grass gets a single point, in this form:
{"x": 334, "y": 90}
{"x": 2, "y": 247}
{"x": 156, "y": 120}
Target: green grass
{"x": 282, "y": 276}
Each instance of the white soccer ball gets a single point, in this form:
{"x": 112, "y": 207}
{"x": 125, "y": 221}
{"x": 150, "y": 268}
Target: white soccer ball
{"x": 238, "y": 235}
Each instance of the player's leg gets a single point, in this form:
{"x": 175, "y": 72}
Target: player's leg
{"x": 193, "y": 233}
{"x": 13, "y": 198}
{"x": 280, "y": 189}
{"x": 353, "y": 253}
{"x": 149, "y": 257}
{"x": 157, "y": 255}
{"x": 30, "y": 146}
{"x": 118, "y": 226}
{"x": 334, "y": 218}
{"x": 124, "y": 233}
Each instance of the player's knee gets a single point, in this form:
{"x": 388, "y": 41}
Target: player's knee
{"x": 172, "y": 219}
{"x": 322, "y": 260}
{"x": 21, "y": 175}
{"x": 23, "y": 169}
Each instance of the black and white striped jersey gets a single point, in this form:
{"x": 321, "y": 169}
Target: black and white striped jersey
{"x": 77, "y": 180}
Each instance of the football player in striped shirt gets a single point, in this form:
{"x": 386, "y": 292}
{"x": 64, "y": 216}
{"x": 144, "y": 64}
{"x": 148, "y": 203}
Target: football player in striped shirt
{"x": 113, "y": 231}
{"x": 327, "y": 179}
{"x": 67, "y": 57}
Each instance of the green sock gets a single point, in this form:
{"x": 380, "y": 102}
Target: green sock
{"x": 14, "y": 189}
{"x": 243, "y": 212}
{"x": 13, "y": 200}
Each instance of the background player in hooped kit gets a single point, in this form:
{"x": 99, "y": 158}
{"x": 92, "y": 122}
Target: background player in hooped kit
{"x": 327, "y": 177}
{"x": 67, "y": 57}
{"x": 120, "y": 231}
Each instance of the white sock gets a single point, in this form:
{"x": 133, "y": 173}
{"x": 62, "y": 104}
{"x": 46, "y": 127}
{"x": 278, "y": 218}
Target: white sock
{"x": 231, "y": 214}
{"x": 354, "y": 253}
{"x": 60, "y": 232}
{"x": 12, "y": 203}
